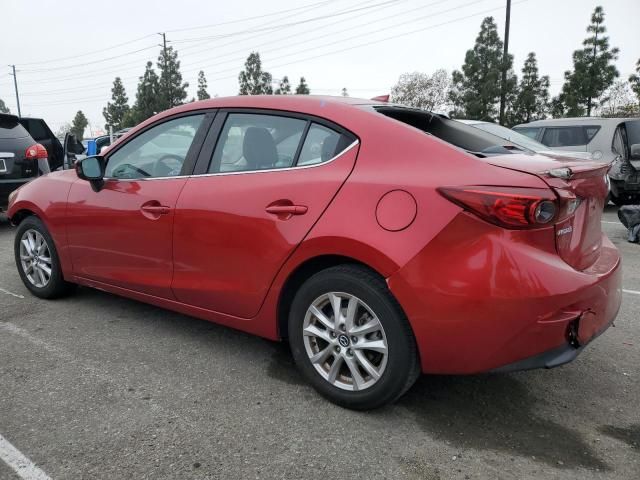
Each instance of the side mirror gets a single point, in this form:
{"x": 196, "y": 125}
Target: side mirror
{"x": 635, "y": 151}
{"x": 92, "y": 170}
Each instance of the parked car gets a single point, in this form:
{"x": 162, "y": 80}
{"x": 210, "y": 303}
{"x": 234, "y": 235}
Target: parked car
{"x": 608, "y": 139}
{"x": 102, "y": 141}
{"x": 523, "y": 141}
{"x": 21, "y": 158}
{"x": 41, "y": 133}
{"x": 381, "y": 241}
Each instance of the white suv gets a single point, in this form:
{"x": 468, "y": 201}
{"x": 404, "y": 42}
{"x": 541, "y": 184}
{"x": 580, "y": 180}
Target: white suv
{"x": 616, "y": 140}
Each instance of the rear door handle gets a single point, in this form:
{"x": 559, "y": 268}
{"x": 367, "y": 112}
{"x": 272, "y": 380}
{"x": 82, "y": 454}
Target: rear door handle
{"x": 155, "y": 209}
{"x": 287, "y": 209}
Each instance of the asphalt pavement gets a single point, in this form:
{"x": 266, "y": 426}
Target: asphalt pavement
{"x": 97, "y": 386}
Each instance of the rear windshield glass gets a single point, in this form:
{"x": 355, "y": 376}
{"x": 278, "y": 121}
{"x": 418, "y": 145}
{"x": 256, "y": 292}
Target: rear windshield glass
{"x": 633, "y": 134}
{"x": 456, "y": 133}
{"x": 11, "y": 128}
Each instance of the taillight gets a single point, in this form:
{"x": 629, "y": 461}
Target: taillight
{"x": 35, "y": 152}
{"x": 510, "y": 207}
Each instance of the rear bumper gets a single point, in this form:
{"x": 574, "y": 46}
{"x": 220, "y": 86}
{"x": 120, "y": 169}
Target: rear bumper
{"x": 485, "y": 300}
{"x": 8, "y": 185}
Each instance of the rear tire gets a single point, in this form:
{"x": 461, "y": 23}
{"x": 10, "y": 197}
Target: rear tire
{"x": 369, "y": 357}
{"x": 37, "y": 260}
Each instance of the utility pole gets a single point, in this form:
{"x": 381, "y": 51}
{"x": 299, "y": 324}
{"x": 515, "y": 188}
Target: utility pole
{"x": 15, "y": 84}
{"x": 503, "y": 83}
{"x": 167, "y": 74}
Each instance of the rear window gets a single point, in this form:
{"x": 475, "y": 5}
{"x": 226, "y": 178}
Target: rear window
{"x": 10, "y": 128}
{"x": 569, "y": 136}
{"x": 463, "y": 136}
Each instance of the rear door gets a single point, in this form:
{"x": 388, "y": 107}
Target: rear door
{"x": 263, "y": 179}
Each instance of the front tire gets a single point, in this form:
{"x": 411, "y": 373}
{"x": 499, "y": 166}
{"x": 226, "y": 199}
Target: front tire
{"x": 37, "y": 260}
{"x": 350, "y": 338}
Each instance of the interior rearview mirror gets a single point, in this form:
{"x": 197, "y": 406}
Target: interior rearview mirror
{"x": 92, "y": 170}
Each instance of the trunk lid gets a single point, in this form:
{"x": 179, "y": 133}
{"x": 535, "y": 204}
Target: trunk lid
{"x": 581, "y": 188}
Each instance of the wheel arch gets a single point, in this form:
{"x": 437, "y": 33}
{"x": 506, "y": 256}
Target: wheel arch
{"x": 21, "y": 214}
{"x": 300, "y": 274}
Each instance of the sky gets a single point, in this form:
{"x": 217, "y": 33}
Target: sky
{"x": 67, "y": 53}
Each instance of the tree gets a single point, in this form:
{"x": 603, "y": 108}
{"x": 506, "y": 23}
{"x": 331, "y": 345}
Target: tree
{"x": 421, "y": 90}
{"x": 63, "y": 130}
{"x": 634, "y": 81}
{"x": 593, "y": 71}
{"x": 3, "y": 107}
{"x": 148, "y": 101}
{"x": 284, "y": 88}
{"x": 78, "y": 125}
{"x": 171, "y": 89}
{"x": 202, "y": 87}
{"x": 114, "y": 112}
{"x": 475, "y": 91}
{"x": 344, "y": 92}
{"x": 532, "y": 95}
{"x": 302, "y": 88}
{"x": 618, "y": 101}
{"x": 253, "y": 81}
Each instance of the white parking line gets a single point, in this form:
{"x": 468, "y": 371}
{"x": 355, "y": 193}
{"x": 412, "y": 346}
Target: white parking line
{"x": 7, "y": 292}
{"x": 613, "y": 223}
{"x": 20, "y": 464}
{"x": 632, "y": 292}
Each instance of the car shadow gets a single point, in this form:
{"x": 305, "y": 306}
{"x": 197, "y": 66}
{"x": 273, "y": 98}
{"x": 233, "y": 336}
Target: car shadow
{"x": 496, "y": 412}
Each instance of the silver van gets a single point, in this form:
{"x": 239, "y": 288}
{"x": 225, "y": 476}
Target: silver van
{"x": 616, "y": 140}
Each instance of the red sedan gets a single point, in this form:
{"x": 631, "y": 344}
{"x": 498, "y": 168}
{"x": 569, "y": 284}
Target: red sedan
{"x": 381, "y": 241}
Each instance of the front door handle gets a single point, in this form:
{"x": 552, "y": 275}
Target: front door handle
{"x": 287, "y": 209}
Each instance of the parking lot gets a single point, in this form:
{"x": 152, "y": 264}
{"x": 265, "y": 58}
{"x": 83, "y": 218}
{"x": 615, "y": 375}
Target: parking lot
{"x": 97, "y": 386}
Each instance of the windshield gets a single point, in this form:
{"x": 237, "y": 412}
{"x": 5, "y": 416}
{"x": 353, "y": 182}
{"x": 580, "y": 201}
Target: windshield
{"x": 514, "y": 137}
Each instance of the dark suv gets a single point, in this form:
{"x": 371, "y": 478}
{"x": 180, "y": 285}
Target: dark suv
{"x": 41, "y": 133}
{"x": 21, "y": 157}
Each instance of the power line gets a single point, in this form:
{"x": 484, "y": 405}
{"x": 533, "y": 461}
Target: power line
{"x": 353, "y": 37}
{"x": 233, "y": 34}
{"x": 373, "y": 42}
{"x": 128, "y": 42}
{"x": 136, "y": 62}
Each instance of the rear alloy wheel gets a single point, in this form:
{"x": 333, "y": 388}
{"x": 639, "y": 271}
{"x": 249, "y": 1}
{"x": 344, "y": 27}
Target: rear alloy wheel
{"x": 350, "y": 338}
{"x": 37, "y": 260}
{"x": 345, "y": 341}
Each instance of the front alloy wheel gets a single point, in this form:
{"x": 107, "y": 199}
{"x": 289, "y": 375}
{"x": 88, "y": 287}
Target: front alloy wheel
{"x": 35, "y": 258}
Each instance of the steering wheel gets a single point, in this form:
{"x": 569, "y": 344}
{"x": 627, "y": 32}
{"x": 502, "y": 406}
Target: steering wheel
{"x": 162, "y": 168}
{"x": 121, "y": 171}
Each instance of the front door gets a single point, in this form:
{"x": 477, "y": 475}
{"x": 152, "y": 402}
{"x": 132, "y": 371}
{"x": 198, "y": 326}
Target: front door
{"x": 267, "y": 182}
{"x": 122, "y": 235}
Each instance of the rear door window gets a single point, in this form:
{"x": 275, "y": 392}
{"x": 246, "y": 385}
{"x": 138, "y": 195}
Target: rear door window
{"x": 251, "y": 142}
{"x": 633, "y": 135}
{"x": 564, "y": 137}
{"x": 37, "y": 129}
{"x": 531, "y": 132}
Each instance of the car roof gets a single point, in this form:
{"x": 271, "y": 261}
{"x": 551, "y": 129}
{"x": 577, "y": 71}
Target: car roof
{"x": 319, "y": 105}
{"x": 469, "y": 122}
{"x": 575, "y": 121}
